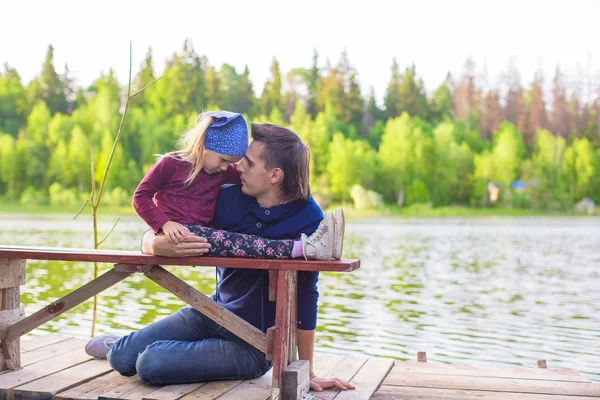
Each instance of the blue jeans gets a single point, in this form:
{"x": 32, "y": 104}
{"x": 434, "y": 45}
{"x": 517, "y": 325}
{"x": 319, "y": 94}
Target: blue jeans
{"x": 186, "y": 347}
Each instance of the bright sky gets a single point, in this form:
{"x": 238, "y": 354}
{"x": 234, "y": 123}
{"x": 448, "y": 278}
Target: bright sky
{"x": 437, "y": 35}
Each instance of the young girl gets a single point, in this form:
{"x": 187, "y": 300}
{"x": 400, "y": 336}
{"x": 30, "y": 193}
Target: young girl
{"x": 177, "y": 197}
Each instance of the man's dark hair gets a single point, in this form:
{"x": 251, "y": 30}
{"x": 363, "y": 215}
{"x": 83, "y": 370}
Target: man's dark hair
{"x": 284, "y": 149}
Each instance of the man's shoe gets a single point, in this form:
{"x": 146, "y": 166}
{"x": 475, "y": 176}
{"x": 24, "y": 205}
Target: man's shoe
{"x": 339, "y": 222}
{"x": 319, "y": 245}
{"x": 98, "y": 346}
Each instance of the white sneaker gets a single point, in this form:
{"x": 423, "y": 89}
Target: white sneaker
{"x": 339, "y": 222}
{"x": 319, "y": 245}
{"x": 98, "y": 346}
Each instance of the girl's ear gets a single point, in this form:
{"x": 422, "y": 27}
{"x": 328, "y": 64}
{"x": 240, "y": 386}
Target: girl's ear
{"x": 276, "y": 176}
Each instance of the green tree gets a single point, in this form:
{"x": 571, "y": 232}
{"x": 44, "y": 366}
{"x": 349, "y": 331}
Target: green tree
{"x": 271, "y": 98}
{"x": 49, "y": 87}
{"x": 13, "y": 102}
{"x": 351, "y": 162}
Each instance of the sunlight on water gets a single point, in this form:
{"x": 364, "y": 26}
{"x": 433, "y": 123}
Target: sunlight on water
{"x": 482, "y": 291}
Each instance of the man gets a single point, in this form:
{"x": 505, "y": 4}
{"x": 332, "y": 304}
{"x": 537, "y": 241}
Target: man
{"x": 273, "y": 201}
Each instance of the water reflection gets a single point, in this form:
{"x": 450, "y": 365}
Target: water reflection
{"x": 486, "y": 291}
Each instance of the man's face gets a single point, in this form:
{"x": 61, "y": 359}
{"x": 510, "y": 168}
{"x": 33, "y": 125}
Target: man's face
{"x": 255, "y": 178}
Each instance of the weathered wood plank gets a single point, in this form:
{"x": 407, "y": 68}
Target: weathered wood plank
{"x": 208, "y": 307}
{"x": 293, "y": 296}
{"x": 10, "y": 349}
{"x": 345, "y": 369}
{"x": 488, "y": 371}
{"x": 418, "y": 393}
{"x": 368, "y": 379}
{"x": 323, "y": 363}
{"x": 10, "y": 298}
{"x": 251, "y": 389}
{"x": 65, "y": 303}
{"x": 12, "y": 273}
{"x": 295, "y": 380}
{"x": 282, "y": 325}
{"x": 51, "y": 351}
{"x": 134, "y": 390}
{"x": 36, "y": 342}
{"x": 272, "y": 285}
{"x": 12, "y": 379}
{"x": 46, "y": 388}
{"x": 131, "y": 257}
{"x": 94, "y": 388}
{"x": 212, "y": 390}
{"x": 172, "y": 392}
{"x": 494, "y": 384}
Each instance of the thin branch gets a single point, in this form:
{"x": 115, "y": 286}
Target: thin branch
{"x": 108, "y": 234}
{"x": 145, "y": 87}
{"x": 120, "y": 131}
{"x": 93, "y": 172}
{"x": 82, "y": 207}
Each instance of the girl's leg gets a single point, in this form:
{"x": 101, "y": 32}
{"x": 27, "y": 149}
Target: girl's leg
{"x": 230, "y": 244}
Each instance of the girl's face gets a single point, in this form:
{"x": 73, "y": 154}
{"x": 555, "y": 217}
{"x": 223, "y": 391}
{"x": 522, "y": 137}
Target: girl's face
{"x": 214, "y": 163}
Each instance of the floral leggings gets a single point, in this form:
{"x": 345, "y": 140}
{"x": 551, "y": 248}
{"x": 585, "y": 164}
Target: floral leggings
{"x": 230, "y": 244}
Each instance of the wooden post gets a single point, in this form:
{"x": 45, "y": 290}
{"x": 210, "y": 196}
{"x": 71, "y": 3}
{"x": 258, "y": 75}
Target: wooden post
{"x": 421, "y": 356}
{"x": 541, "y": 364}
{"x": 283, "y": 315}
{"x": 295, "y": 382}
{"x": 12, "y": 275}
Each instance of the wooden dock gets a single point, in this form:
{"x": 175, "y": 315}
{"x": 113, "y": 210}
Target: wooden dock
{"x": 56, "y": 367}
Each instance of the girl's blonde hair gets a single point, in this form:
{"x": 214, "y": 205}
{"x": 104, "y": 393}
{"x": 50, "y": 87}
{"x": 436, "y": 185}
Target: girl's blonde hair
{"x": 191, "y": 146}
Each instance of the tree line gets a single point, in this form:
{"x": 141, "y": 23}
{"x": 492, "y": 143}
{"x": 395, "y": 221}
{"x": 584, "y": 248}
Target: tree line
{"x": 443, "y": 147}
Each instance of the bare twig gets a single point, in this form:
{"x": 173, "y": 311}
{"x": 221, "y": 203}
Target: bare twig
{"x": 111, "y": 229}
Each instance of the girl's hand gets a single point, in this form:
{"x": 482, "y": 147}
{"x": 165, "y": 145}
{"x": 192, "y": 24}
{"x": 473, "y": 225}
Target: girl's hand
{"x": 175, "y": 232}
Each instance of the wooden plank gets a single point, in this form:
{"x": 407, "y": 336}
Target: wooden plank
{"x": 172, "y": 392}
{"x": 36, "y": 342}
{"x": 208, "y": 307}
{"x": 212, "y": 390}
{"x": 51, "y": 351}
{"x": 487, "y": 371}
{"x": 10, "y": 298}
{"x": 368, "y": 379}
{"x": 8, "y": 318}
{"x": 46, "y": 388}
{"x": 494, "y": 384}
{"x": 65, "y": 303}
{"x": 94, "y": 388}
{"x": 282, "y": 325}
{"x": 134, "y": 390}
{"x": 270, "y": 343}
{"x": 10, "y": 349}
{"x": 323, "y": 363}
{"x": 250, "y": 389}
{"x": 293, "y": 296}
{"x": 131, "y": 257}
{"x": 414, "y": 393}
{"x": 131, "y": 268}
{"x": 272, "y": 285}
{"x": 12, "y": 379}
{"x": 12, "y": 273}
{"x": 295, "y": 380}
{"x": 345, "y": 370}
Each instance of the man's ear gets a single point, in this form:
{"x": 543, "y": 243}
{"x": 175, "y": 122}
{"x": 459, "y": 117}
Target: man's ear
{"x": 276, "y": 176}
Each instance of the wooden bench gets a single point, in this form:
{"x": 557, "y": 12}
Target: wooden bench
{"x": 279, "y": 343}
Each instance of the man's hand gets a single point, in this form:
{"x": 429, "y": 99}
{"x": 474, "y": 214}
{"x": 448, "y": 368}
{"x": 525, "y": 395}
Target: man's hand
{"x": 175, "y": 232}
{"x": 161, "y": 246}
{"x": 319, "y": 384}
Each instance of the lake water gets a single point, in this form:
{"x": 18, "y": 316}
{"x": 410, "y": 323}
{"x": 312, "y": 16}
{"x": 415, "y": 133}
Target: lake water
{"x": 495, "y": 291}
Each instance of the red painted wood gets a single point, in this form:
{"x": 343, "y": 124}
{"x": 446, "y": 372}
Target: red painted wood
{"x": 131, "y": 257}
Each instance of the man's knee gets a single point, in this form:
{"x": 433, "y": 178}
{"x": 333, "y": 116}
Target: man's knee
{"x": 120, "y": 361}
{"x": 149, "y": 365}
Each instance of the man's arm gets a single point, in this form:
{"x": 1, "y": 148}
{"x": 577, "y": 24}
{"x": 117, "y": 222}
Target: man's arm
{"x": 161, "y": 246}
{"x": 306, "y": 349}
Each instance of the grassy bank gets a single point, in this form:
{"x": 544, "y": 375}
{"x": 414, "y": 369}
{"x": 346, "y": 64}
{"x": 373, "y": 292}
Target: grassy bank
{"x": 418, "y": 211}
